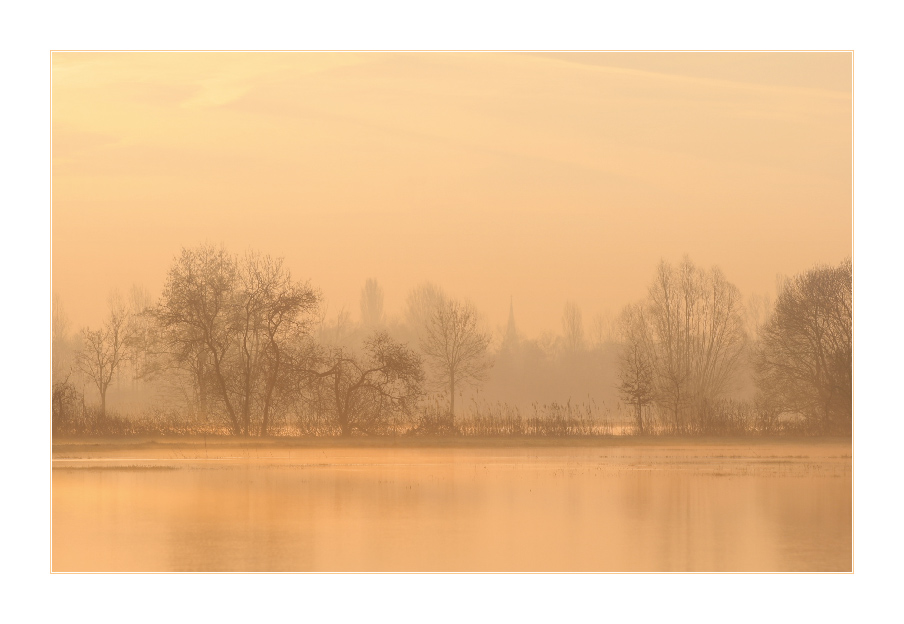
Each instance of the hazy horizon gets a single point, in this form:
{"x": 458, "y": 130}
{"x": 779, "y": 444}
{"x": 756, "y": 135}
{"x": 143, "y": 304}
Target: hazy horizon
{"x": 540, "y": 177}
{"x": 240, "y": 428}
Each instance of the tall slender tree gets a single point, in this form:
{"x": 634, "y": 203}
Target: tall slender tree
{"x": 104, "y": 350}
{"x": 572, "y": 328}
{"x": 636, "y": 374}
{"x": 372, "y": 304}
{"x": 456, "y": 346}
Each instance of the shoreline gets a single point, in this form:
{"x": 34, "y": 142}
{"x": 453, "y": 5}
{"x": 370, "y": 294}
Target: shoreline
{"x": 194, "y": 442}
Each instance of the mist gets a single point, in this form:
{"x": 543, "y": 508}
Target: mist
{"x": 237, "y": 344}
{"x": 497, "y": 175}
{"x": 451, "y": 311}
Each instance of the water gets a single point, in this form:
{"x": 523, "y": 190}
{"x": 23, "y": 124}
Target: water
{"x": 657, "y": 507}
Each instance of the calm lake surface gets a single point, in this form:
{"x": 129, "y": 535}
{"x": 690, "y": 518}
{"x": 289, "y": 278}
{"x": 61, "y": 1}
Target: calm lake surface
{"x": 638, "y": 507}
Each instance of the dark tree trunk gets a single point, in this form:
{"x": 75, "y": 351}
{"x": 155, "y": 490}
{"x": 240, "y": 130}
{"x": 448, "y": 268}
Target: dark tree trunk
{"x": 452, "y": 399}
{"x": 271, "y": 385}
{"x": 639, "y": 417}
{"x": 246, "y": 407}
{"x": 230, "y": 410}
{"x": 202, "y": 387}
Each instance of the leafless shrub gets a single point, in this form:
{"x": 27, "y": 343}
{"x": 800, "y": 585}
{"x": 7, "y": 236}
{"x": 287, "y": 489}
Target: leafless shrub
{"x": 67, "y": 408}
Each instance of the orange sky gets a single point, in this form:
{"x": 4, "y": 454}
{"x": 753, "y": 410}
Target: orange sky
{"x": 547, "y": 177}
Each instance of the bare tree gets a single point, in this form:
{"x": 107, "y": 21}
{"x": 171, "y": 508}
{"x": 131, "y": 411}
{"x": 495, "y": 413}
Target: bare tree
{"x": 636, "y": 374}
{"x": 758, "y": 309}
{"x": 603, "y": 329}
{"x": 695, "y": 339}
{"x": 805, "y": 354}
{"x": 105, "y": 349}
{"x": 142, "y": 332}
{"x": 363, "y": 392}
{"x": 196, "y": 324}
{"x": 456, "y": 346}
{"x": 282, "y": 311}
{"x": 420, "y": 306}
{"x": 232, "y": 323}
{"x": 372, "y": 304}
{"x": 336, "y": 331}
{"x": 59, "y": 320}
{"x": 60, "y": 348}
{"x": 669, "y": 341}
{"x": 572, "y": 328}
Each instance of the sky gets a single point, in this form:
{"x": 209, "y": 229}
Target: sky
{"x": 536, "y": 178}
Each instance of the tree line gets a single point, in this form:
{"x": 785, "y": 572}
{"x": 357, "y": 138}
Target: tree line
{"x": 684, "y": 345}
{"x": 248, "y": 349}
{"x": 238, "y": 333}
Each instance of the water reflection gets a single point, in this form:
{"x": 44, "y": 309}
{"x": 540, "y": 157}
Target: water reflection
{"x": 557, "y": 509}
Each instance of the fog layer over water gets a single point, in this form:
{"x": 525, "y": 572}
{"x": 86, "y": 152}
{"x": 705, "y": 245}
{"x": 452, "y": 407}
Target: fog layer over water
{"x": 665, "y": 506}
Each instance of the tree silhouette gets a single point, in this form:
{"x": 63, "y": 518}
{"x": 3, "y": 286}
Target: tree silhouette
{"x": 456, "y": 346}
{"x": 805, "y": 353}
{"x": 635, "y": 374}
{"x": 104, "y": 350}
{"x": 363, "y": 392}
{"x": 372, "y": 304}
{"x": 572, "y": 328}
{"x": 693, "y": 337}
{"x": 234, "y": 323}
